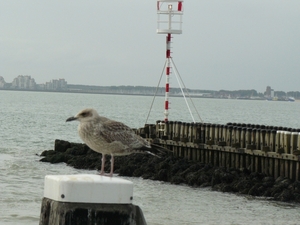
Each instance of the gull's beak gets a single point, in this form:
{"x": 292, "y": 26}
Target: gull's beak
{"x": 71, "y": 119}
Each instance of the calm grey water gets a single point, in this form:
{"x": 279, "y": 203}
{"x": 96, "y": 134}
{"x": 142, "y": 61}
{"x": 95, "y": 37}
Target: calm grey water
{"x": 31, "y": 121}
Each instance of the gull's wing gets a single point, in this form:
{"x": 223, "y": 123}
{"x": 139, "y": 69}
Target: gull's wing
{"x": 116, "y": 131}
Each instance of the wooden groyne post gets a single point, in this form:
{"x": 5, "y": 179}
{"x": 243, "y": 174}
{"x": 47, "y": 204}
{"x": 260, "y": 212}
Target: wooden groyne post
{"x": 272, "y": 150}
{"x": 89, "y": 199}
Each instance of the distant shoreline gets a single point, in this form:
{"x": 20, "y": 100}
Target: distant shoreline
{"x": 132, "y": 94}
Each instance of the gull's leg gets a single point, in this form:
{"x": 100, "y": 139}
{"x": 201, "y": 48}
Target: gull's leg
{"x": 111, "y": 166}
{"x": 102, "y": 165}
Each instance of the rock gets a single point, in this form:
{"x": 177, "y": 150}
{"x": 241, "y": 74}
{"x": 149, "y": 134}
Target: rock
{"x": 285, "y": 196}
{"x": 54, "y": 158}
{"x": 61, "y": 146}
{"x": 216, "y": 177}
{"x": 281, "y": 183}
{"x": 162, "y": 175}
{"x": 78, "y": 150}
{"x": 192, "y": 179}
{"x": 48, "y": 152}
{"x": 295, "y": 187}
{"x": 177, "y": 180}
{"x": 256, "y": 190}
{"x": 228, "y": 188}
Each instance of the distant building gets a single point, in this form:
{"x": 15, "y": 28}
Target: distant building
{"x": 24, "y": 82}
{"x": 268, "y": 91}
{"x": 2, "y": 82}
{"x": 56, "y": 85}
{"x": 272, "y": 93}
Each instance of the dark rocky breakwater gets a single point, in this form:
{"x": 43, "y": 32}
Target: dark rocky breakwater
{"x": 178, "y": 171}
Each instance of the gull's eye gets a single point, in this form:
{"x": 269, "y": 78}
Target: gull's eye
{"x": 84, "y": 114}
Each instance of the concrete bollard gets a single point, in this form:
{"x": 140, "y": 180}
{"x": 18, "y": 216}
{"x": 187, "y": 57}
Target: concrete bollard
{"x": 89, "y": 199}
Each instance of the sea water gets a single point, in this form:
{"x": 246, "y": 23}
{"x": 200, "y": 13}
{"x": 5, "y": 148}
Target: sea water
{"x": 31, "y": 121}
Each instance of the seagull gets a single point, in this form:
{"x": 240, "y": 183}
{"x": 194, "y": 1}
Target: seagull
{"x": 108, "y": 136}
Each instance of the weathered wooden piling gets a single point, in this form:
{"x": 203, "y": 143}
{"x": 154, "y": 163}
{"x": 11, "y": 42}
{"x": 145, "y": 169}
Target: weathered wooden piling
{"x": 272, "y": 150}
{"x": 89, "y": 199}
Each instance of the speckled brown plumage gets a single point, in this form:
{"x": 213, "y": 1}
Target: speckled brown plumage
{"x": 108, "y": 136}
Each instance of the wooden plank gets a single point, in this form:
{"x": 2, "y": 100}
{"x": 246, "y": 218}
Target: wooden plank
{"x": 252, "y": 162}
{"x": 237, "y": 161}
{"x": 203, "y": 156}
{"x": 206, "y": 156}
{"x": 194, "y": 154}
{"x": 286, "y": 168}
{"x": 248, "y": 151}
{"x": 210, "y": 156}
{"x": 188, "y": 153}
{"x": 223, "y": 159}
{"x": 276, "y": 168}
{"x": 258, "y": 153}
{"x": 274, "y": 155}
{"x": 289, "y": 157}
{"x": 228, "y": 159}
{"x": 256, "y": 163}
{"x": 297, "y": 169}
{"x": 242, "y": 161}
{"x": 216, "y": 159}
{"x": 220, "y": 158}
{"x": 266, "y": 166}
{"x": 271, "y": 166}
{"x": 282, "y": 167}
{"x": 176, "y": 151}
{"x": 247, "y": 161}
{"x": 292, "y": 170}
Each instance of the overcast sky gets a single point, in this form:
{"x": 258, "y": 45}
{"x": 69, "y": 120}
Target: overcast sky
{"x": 225, "y": 44}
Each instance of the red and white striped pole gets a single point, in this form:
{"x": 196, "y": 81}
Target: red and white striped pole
{"x": 168, "y": 72}
{"x": 171, "y": 11}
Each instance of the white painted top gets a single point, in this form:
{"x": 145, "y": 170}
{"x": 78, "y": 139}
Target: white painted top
{"x": 88, "y": 188}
